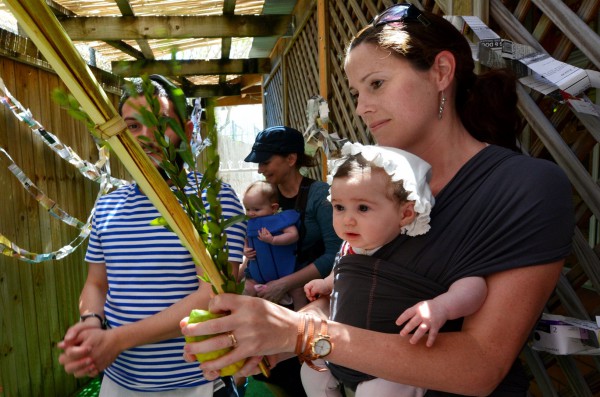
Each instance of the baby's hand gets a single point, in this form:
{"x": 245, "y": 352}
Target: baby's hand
{"x": 316, "y": 288}
{"x": 265, "y": 235}
{"x": 427, "y": 317}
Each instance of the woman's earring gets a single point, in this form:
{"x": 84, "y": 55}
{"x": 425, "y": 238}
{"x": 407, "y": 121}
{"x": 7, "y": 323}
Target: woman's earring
{"x": 442, "y": 104}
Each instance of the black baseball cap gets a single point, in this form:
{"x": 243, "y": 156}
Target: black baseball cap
{"x": 275, "y": 140}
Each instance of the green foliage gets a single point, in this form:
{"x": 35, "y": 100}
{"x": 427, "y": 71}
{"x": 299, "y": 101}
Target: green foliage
{"x": 207, "y": 221}
{"x": 69, "y": 102}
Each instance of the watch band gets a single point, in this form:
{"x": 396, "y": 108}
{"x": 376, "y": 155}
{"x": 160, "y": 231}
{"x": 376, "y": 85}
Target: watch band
{"x": 307, "y": 354}
{"x": 103, "y": 323}
{"x": 300, "y": 337}
{"x": 323, "y": 332}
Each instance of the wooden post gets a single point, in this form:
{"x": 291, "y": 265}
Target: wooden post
{"x": 323, "y": 33}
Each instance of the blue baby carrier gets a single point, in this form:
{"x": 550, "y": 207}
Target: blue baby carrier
{"x": 272, "y": 261}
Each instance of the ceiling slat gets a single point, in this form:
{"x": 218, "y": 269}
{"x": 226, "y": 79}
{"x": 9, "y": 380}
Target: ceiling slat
{"x": 192, "y": 67}
{"x": 174, "y": 27}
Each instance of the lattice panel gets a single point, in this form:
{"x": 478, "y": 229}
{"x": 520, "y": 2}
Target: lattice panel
{"x": 273, "y": 99}
{"x": 302, "y": 73}
{"x": 577, "y": 292}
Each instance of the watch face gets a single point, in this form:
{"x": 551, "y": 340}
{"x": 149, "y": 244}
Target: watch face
{"x": 322, "y": 347}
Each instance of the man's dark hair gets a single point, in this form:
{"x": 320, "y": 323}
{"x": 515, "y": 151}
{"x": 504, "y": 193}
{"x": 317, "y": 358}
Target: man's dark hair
{"x": 163, "y": 87}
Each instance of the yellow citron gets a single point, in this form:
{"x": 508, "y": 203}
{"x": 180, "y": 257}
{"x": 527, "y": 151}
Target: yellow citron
{"x": 198, "y": 316}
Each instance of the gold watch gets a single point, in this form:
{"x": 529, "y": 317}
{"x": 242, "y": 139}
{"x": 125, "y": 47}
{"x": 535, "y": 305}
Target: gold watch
{"x": 321, "y": 345}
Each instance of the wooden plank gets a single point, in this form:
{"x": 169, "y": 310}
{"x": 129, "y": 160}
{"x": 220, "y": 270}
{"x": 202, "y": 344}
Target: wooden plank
{"x": 213, "y": 90}
{"x": 49, "y": 230}
{"x": 19, "y": 276}
{"x": 11, "y": 317}
{"x": 26, "y": 91}
{"x": 42, "y": 274}
{"x": 192, "y": 67}
{"x": 323, "y": 42}
{"x": 174, "y": 27}
{"x": 582, "y": 36}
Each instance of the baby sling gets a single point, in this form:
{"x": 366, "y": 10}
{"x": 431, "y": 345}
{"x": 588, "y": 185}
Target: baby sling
{"x": 272, "y": 261}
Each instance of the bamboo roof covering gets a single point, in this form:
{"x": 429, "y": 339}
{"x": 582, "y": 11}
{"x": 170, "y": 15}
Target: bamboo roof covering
{"x": 164, "y": 44}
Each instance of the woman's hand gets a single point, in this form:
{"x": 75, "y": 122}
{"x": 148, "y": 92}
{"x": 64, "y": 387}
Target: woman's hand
{"x": 260, "y": 328}
{"x": 273, "y": 290}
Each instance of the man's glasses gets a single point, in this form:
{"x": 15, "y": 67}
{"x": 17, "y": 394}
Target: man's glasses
{"x": 400, "y": 13}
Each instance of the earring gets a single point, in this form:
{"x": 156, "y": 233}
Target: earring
{"x": 442, "y": 104}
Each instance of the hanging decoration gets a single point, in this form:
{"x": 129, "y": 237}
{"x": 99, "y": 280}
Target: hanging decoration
{"x": 94, "y": 172}
{"x": 316, "y": 135}
{"x": 98, "y": 172}
{"x": 537, "y": 70}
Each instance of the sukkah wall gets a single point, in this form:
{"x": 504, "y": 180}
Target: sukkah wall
{"x": 552, "y": 131}
{"x": 39, "y": 301}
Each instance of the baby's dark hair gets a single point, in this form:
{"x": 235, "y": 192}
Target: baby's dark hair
{"x": 266, "y": 190}
{"x": 356, "y": 164}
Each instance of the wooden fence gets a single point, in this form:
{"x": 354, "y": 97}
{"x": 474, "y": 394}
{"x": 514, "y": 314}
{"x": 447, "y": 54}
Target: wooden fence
{"x": 39, "y": 301}
{"x": 568, "y": 31}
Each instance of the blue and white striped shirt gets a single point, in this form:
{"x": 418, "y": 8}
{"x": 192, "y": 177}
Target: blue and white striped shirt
{"x": 148, "y": 270}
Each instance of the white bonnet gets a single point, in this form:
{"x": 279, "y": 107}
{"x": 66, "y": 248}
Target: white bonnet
{"x": 400, "y": 165}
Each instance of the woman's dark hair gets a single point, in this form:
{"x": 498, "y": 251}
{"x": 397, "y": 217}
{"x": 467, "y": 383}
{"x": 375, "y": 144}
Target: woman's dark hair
{"x": 304, "y": 160}
{"x": 354, "y": 164}
{"x": 486, "y": 103}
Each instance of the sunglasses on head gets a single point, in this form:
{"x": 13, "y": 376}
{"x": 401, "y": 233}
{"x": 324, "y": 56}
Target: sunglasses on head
{"x": 400, "y": 13}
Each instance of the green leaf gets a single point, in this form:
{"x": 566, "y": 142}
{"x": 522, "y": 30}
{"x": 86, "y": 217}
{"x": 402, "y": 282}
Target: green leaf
{"x": 60, "y": 96}
{"x": 160, "y": 221}
{"x": 214, "y": 228}
{"x": 182, "y": 178}
{"x": 77, "y": 114}
{"x": 233, "y": 220}
{"x": 73, "y": 102}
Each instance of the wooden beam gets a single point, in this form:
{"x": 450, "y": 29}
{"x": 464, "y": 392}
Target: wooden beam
{"x": 174, "y": 27}
{"x": 247, "y": 80}
{"x": 127, "y": 11}
{"x": 323, "y": 33}
{"x": 238, "y": 100}
{"x": 212, "y": 90}
{"x": 126, "y": 48}
{"x": 229, "y": 7}
{"x": 191, "y": 67}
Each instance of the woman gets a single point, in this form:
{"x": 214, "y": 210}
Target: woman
{"x": 279, "y": 152}
{"x": 498, "y": 214}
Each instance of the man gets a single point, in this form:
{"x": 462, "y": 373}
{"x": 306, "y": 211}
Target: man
{"x": 143, "y": 282}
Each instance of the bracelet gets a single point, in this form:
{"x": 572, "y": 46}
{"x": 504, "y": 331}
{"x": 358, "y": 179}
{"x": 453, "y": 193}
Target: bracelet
{"x": 304, "y": 345}
{"x": 103, "y": 323}
{"x": 300, "y": 337}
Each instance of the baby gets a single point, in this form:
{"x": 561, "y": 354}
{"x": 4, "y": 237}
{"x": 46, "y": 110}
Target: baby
{"x": 377, "y": 194}
{"x": 271, "y": 238}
